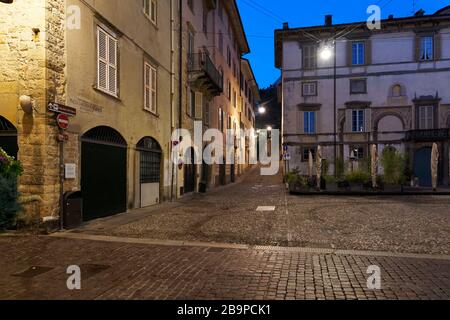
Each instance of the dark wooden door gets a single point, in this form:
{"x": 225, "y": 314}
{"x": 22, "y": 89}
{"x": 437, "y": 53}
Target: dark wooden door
{"x": 103, "y": 180}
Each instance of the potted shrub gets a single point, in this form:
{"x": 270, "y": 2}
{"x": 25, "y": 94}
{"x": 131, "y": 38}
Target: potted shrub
{"x": 10, "y": 170}
{"x": 394, "y": 165}
{"x": 331, "y": 183}
{"x": 358, "y": 180}
{"x": 296, "y": 182}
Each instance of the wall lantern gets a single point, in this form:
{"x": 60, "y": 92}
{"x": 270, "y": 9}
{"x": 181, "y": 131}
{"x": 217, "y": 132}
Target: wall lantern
{"x": 26, "y": 104}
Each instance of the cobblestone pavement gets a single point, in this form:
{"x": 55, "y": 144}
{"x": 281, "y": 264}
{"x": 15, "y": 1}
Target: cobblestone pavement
{"x": 114, "y": 270}
{"x": 419, "y": 224}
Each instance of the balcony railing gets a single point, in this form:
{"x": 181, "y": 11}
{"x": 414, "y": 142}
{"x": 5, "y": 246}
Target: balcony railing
{"x": 203, "y": 71}
{"x": 428, "y": 135}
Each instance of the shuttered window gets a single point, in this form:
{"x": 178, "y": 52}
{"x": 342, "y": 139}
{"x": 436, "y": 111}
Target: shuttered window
{"x": 107, "y": 62}
{"x": 150, "y": 9}
{"x": 150, "y": 88}
{"x": 220, "y": 119}
{"x": 309, "y": 57}
{"x": 426, "y": 117}
{"x": 198, "y": 105}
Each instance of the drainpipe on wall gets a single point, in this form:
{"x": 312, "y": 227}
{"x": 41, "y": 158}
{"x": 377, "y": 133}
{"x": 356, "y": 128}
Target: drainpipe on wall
{"x": 180, "y": 73}
{"x": 172, "y": 78}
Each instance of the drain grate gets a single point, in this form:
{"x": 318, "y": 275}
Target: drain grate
{"x": 90, "y": 270}
{"x": 32, "y": 272}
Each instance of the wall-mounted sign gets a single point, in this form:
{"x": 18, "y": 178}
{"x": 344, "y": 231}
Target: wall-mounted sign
{"x": 59, "y": 108}
{"x": 63, "y": 121}
{"x": 70, "y": 171}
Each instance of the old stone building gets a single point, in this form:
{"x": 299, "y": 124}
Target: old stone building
{"x": 98, "y": 58}
{"x": 391, "y": 88}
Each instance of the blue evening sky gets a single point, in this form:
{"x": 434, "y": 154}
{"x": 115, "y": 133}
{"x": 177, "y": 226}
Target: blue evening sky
{"x": 262, "y": 17}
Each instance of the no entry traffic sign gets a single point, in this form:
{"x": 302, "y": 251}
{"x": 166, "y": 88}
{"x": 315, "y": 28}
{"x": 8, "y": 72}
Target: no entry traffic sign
{"x": 63, "y": 121}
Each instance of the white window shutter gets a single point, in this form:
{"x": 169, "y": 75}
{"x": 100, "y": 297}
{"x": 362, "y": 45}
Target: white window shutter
{"x": 146, "y": 87}
{"x": 198, "y": 105}
{"x": 112, "y": 57}
{"x": 348, "y": 120}
{"x": 102, "y": 79}
{"x": 367, "y": 119}
{"x": 107, "y": 62}
{"x": 153, "y": 88}
{"x": 153, "y": 11}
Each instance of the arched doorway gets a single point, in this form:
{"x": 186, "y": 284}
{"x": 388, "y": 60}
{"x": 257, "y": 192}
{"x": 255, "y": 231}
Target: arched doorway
{"x": 8, "y": 137}
{"x": 103, "y": 173}
{"x": 422, "y": 166}
{"x": 189, "y": 171}
{"x": 150, "y": 155}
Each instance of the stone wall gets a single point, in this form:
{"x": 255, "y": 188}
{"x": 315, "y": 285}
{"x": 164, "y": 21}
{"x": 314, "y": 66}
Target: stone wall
{"x": 32, "y": 55}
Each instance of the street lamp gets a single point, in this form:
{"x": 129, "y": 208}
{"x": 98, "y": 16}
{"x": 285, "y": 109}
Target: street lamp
{"x": 261, "y": 110}
{"x": 327, "y": 52}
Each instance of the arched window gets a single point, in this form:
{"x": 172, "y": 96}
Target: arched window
{"x": 150, "y": 160}
{"x": 397, "y": 91}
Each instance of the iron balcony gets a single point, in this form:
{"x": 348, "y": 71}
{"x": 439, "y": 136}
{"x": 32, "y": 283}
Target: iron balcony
{"x": 428, "y": 135}
{"x": 204, "y": 74}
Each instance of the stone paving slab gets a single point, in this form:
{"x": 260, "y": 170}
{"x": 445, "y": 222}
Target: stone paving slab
{"x": 116, "y": 270}
{"x": 419, "y": 225}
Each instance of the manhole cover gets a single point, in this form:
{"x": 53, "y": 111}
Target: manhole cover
{"x": 32, "y": 272}
{"x": 90, "y": 270}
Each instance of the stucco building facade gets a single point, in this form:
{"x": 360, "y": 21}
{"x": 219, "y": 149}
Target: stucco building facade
{"x": 219, "y": 85}
{"x": 391, "y": 90}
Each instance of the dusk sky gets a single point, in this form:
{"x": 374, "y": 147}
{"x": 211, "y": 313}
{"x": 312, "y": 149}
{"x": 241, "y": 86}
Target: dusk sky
{"x": 262, "y": 17}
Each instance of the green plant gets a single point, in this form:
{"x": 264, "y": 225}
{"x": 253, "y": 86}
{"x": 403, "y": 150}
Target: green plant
{"x": 359, "y": 176}
{"x": 340, "y": 167}
{"x": 330, "y": 179}
{"x": 325, "y": 167}
{"x": 394, "y": 165}
{"x": 10, "y": 170}
{"x": 291, "y": 177}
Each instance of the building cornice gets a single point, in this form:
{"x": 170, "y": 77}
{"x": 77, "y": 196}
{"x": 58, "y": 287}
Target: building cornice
{"x": 318, "y": 33}
{"x": 238, "y": 27}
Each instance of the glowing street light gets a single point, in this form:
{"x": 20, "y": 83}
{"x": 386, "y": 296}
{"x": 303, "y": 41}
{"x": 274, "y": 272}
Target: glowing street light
{"x": 269, "y": 128}
{"x": 326, "y": 53}
{"x": 262, "y": 110}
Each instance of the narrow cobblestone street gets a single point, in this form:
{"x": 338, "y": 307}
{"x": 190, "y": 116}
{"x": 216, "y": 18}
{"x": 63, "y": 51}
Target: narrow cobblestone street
{"x": 137, "y": 267}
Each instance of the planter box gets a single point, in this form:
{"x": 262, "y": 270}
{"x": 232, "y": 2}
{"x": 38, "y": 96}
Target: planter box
{"x": 332, "y": 187}
{"x": 396, "y": 188}
{"x": 356, "y": 187}
{"x": 294, "y": 187}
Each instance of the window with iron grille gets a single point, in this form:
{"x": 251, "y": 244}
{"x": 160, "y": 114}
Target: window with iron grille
{"x": 150, "y": 160}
